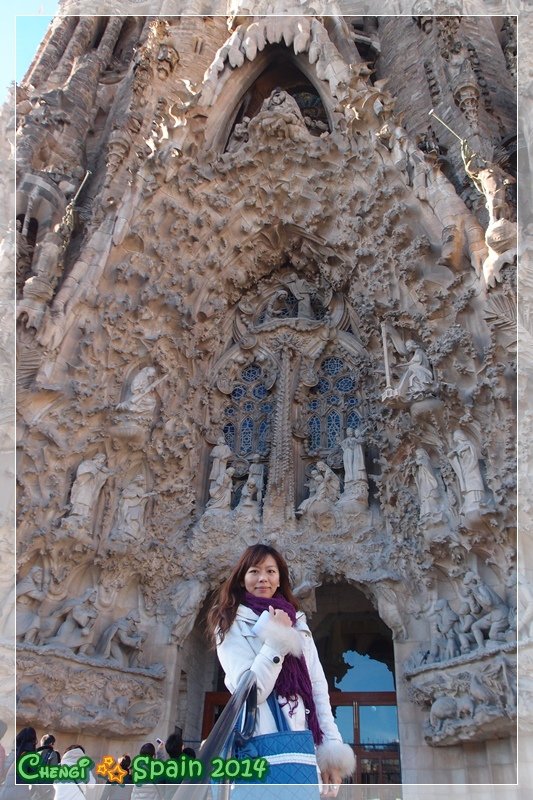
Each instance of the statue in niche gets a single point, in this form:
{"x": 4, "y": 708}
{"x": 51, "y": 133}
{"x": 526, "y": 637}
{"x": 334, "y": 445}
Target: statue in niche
{"x": 355, "y": 476}
{"x": 248, "y": 506}
{"x": 221, "y": 490}
{"x": 131, "y": 510}
{"x": 24, "y": 252}
{"x": 464, "y": 460}
{"x": 239, "y": 135}
{"x": 141, "y": 400}
{"x": 417, "y": 381}
{"x": 91, "y": 476}
{"x": 303, "y": 292}
{"x": 221, "y": 453}
{"x": 490, "y": 612}
{"x": 428, "y": 488}
{"x": 76, "y": 619}
{"x": 490, "y": 180}
{"x": 31, "y": 591}
{"x": 280, "y": 117}
{"x": 257, "y": 474}
{"x": 121, "y": 641}
{"x": 446, "y": 623}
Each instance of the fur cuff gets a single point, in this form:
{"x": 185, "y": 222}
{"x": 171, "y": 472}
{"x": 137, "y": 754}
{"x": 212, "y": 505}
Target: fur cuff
{"x": 280, "y": 637}
{"x": 333, "y": 754}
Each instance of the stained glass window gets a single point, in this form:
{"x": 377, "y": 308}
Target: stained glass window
{"x": 333, "y": 404}
{"x": 248, "y": 413}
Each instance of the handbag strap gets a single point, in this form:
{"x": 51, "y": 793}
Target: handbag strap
{"x": 279, "y": 717}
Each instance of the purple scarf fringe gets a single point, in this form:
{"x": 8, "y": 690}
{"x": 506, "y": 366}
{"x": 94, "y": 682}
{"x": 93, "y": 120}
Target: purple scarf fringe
{"x": 294, "y": 677}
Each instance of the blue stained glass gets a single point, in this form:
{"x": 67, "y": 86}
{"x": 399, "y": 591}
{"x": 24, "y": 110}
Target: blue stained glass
{"x": 352, "y": 401}
{"x": 251, "y": 373}
{"x": 248, "y": 406}
{"x": 332, "y": 365}
{"x": 247, "y": 429}
{"x": 314, "y": 433}
{"x": 334, "y": 427}
{"x": 229, "y": 434}
{"x": 322, "y": 386}
{"x": 230, "y": 411}
{"x": 353, "y": 420}
{"x": 259, "y": 391}
{"x": 313, "y": 405}
{"x": 238, "y": 392}
{"x": 345, "y": 384}
{"x": 266, "y": 407}
{"x": 333, "y": 400}
{"x": 263, "y": 435}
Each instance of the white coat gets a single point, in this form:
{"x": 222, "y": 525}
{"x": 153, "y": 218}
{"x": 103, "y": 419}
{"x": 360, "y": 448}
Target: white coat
{"x": 72, "y": 791}
{"x": 262, "y": 646}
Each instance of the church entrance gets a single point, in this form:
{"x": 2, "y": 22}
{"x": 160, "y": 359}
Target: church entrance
{"x": 356, "y": 651}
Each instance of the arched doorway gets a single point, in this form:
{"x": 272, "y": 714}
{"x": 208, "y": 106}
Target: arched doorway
{"x": 356, "y": 651}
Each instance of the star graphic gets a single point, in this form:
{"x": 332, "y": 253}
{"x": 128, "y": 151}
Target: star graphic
{"x": 104, "y": 767}
{"x": 117, "y": 774}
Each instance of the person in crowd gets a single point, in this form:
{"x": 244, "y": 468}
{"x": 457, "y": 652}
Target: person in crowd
{"x": 14, "y": 788}
{"x": 72, "y": 790}
{"x": 46, "y": 749}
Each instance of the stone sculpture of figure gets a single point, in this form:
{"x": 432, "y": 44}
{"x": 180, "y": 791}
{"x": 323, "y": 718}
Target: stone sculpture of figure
{"x": 24, "y": 256}
{"x": 417, "y": 381}
{"x": 428, "y": 487}
{"x": 186, "y": 601}
{"x": 131, "y": 510}
{"x": 490, "y": 180}
{"x": 221, "y": 490}
{"x": 76, "y": 629}
{"x": 30, "y": 594}
{"x": 302, "y": 291}
{"x": 490, "y": 611}
{"x": 248, "y": 507}
{"x": 91, "y": 475}
{"x": 121, "y": 642}
{"x": 329, "y": 487}
{"x": 464, "y": 460}
{"x": 312, "y": 484}
{"x": 221, "y": 453}
{"x": 353, "y": 457}
{"x": 257, "y": 473}
{"x": 281, "y": 118}
{"x": 446, "y": 623}
{"x": 142, "y": 399}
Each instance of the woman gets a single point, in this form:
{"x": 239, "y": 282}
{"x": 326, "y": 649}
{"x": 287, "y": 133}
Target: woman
{"x": 255, "y": 624}
{"x": 73, "y": 790}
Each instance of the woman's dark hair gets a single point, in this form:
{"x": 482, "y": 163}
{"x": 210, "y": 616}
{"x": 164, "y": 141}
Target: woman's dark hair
{"x": 174, "y": 745}
{"x": 147, "y": 749}
{"x": 125, "y": 761}
{"x": 188, "y": 751}
{"x": 26, "y": 741}
{"x": 224, "y": 608}
{"x": 48, "y": 740}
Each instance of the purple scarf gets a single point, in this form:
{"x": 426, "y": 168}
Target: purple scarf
{"x": 294, "y": 677}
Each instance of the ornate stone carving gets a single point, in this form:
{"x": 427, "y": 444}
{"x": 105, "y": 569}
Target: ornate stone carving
{"x": 91, "y": 475}
{"x": 121, "y": 642}
{"x": 129, "y": 525}
{"x": 72, "y": 625}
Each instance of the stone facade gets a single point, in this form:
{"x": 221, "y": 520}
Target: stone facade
{"x": 263, "y": 295}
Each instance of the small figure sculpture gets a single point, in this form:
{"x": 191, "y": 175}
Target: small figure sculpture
{"x": 76, "y": 630}
{"x": 121, "y": 642}
{"x": 186, "y": 601}
{"x": 141, "y": 399}
{"x": 91, "y": 476}
{"x": 353, "y": 457}
{"x": 281, "y": 118}
{"x": 464, "y": 460}
{"x": 131, "y": 510}
{"x": 428, "y": 488}
{"x": 221, "y": 490}
{"x": 490, "y": 611}
{"x": 312, "y": 484}
{"x": 446, "y": 622}
{"x": 257, "y": 473}
{"x": 417, "y": 381}
{"x": 248, "y": 507}
{"x": 30, "y": 594}
{"x": 329, "y": 487}
{"x": 302, "y": 291}
{"x": 490, "y": 180}
{"x": 221, "y": 453}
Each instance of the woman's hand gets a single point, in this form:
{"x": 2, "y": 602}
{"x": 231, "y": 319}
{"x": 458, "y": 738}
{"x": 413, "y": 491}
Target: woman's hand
{"x": 331, "y": 781}
{"x": 280, "y": 616}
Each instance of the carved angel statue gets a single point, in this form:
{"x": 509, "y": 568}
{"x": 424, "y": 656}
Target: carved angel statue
{"x": 464, "y": 460}
{"x": 428, "y": 487}
{"x": 141, "y": 398}
{"x": 131, "y": 510}
{"x": 221, "y": 453}
{"x": 417, "y": 381}
{"x": 91, "y": 476}
{"x": 221, "y": 490}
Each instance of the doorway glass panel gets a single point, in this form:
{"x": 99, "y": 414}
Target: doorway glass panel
{"x": 344, "y": 717}
{"x": 378, "y": 725}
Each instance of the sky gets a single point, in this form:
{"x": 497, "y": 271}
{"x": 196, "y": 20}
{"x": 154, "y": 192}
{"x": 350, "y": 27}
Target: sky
{"x": 21, "y": 35}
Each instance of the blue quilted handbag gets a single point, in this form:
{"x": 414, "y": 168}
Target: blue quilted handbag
{"x": 292, "y": 770}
